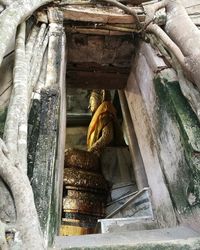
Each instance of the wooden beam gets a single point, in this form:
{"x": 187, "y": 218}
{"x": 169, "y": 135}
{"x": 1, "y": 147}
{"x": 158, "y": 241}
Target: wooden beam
{"x": 103, "y": 14}
{"x": 113, "y": 50}
{"x": 92, "y": 2}
{"x": 96, "y": 80}
{"x": 90, "y": 12}
{"x": 92, "y": 31}
{"x": 95, "y": 67}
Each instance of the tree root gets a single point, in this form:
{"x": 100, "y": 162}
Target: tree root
{"x": 1, "y": 8}
{"x": 152, "y": 27}
{"x": 14, "y": 14}
{"x": 127, "y": 10}
{"x": 13, "y": 169}
{"x": 3, "y": 241}
{"x": 152, "y": 9}
{"x": 15, "y": 131}
{"x": 9, "y": 237}
{"x": 6, "y": 2}
{"x": 169, "y": 44}
{"x": 37, "y": 59}
{"x": 27, "y": 218}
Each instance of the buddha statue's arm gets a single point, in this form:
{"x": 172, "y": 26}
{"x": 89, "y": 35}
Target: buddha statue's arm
{"x": 105, "y": 139}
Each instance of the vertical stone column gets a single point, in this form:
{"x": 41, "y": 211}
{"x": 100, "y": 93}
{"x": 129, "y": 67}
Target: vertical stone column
{"x": 47, "y": 173}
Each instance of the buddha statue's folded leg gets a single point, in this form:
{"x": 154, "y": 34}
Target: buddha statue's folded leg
{"x": 77, "y": 158}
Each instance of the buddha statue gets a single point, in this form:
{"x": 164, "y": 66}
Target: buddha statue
{"x": 85, "y": 189}
{"x": 101, "y": 130}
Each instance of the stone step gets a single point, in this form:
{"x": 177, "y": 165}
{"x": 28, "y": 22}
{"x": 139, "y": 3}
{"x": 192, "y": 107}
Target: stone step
{"x": 157, "y": 239}
{"x": 132, "y": 213}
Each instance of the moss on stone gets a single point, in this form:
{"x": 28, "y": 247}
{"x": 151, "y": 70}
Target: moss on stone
{"x": 43, "y": 132}
{"x": 171, "y": 99}
{"x": 33, "y": 134}
{"x": 187, "y": 118}
{"x": 163, "y": 103}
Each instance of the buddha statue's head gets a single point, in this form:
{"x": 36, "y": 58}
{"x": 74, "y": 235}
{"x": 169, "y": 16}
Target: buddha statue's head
{"x": 97, "y": 97}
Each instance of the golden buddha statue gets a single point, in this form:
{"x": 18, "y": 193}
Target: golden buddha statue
{"x": 101, "y": 130}
{"x": 104, "y": 128}
{"x": 84, "y": 186}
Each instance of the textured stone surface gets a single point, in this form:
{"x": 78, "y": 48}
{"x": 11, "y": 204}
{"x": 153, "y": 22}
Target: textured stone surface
{"x": 120, "y": 169}
{"x": 141, "y": 100}
{"x": 179, "y": 131}
{"x": 168, "y": 134}
{"x": 43, "y": 172}
{"x": 172, "y": 238}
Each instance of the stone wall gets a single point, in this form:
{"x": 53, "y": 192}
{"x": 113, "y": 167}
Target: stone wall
{"x": 168, "y": 135}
